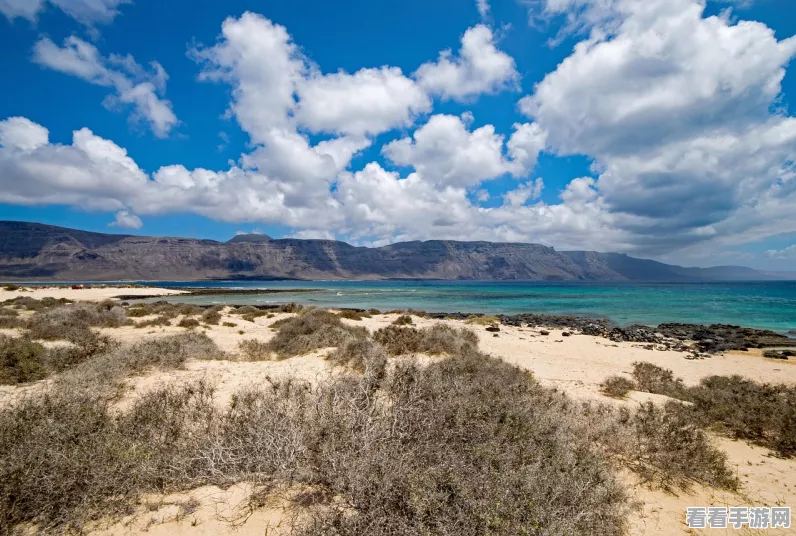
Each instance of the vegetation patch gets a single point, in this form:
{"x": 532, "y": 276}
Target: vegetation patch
{"x": 403, "y": 320}
{"x": 617, "y": 387}
{"x": 467, "y": 445}
{"x": 310, "y": 331}
{"x": 73, "y": 322}
{"x": 255, "y": 350}
{"x": 435, "y": 340}
{"x": 353, "y": 314}
{"x": 482, "y": 320}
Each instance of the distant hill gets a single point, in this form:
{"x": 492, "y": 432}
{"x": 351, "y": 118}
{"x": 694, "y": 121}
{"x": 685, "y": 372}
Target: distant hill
{"x": 249, "y": 238}
{"x": 45, "y": 252}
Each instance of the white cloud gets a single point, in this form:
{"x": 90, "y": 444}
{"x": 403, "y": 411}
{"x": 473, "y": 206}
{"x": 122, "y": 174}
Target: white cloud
{"x": 369, "y": 101}
{"x": 675, "y": 110}
{"x": 133, "y": 85}
{"x": 525, "y": 192}
{"x": 26, "y": 9}
{"x": 126, "y": 220}
{"x": 87, "y": 12}
{"x": 479, "y": 68}
{"x": 483, "y": 8}
{"x": 444, "y": 151}
{"x": 90, "y": 12}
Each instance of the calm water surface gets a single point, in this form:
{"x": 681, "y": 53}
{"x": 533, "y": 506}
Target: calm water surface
{"x": 770, "y": 305}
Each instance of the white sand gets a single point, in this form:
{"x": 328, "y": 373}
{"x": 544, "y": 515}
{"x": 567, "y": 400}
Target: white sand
{"x": 575, "y": 364}
{"x": 86, "y": 294}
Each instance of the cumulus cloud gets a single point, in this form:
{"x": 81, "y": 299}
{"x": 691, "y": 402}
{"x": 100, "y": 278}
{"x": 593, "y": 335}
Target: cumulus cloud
{"x": 87, "y": 12}
{"x": 133, "y": 85}
{"x": 445, "y": 152}
{"x": 369, "y": 101}
{"x": 480, "y": 67}
{"x": 126, "y": 220}
{"x": 675, "y": 109}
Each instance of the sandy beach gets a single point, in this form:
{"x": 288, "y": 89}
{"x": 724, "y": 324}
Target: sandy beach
{"x": 574, "y": 363}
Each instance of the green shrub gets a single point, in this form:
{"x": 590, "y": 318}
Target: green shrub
{"x": 744, "y": 409}
{"x": 229, "y": 324}
{"x": 311, "y": 331}
{"x": 482, "y": 320}
{"x": 72, "y": 322}
{"x": 188, "y": 323}
{"x": 21, "y": 360}
{"x": 212, "y": 316}
{"x": 403, "y": 320}
{"x": 435, "y": 340}
{"x": 353, "y": 314}
{"x": 617, "y": 386}
{"x": 654, "y": 379}
{"x": 11, "y": 288}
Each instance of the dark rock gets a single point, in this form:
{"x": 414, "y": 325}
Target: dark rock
{"x": 493, "y": 329}
{"x": 544, "y": 332}
{"x": 565, "y": 334}
{"x": 496, "y": 335}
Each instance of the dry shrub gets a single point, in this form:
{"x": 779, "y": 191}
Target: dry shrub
{"x": 21, "y": 360}
{"x": 359, "y": 355}
{"x": 11, "y": 322}
{"x": 68, "y": 459}
{"x": 213, "y": 315}
{"x": 10, "y": 287}
{"x": 463, "y": 447}
{"x": 32, "y": 304}
{"x": 666, "y": 447}
{"x": 764, "y": 414}
{"x": 92, "y": 344}
{"x": 467, "y": 446}
{"x": 138, "y": 311}
{"x": 291, "y": 308}
{"x": 353, "y": 314}
{"x": 247, "y": 310}
{"x": 435, "y": 340}
{"x": 4, "y": 311}
{"x": 403, "y": 320}
{"x": 617, "y": 386}
{"x": 229, "y": 324}
{"x": 654, "y": 379}
{"x": 72, "y": 322}
{"x": 310, "y": 331}
{"x": 158, "y": 321}
{"x": 104, "y": 371}
{"x": 255, "y": 350}
{"x": 482, "y": 320}
{"x": 188, "y": 323}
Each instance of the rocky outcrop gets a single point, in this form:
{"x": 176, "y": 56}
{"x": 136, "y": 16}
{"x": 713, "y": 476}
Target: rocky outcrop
{"x": 37, "y": 251}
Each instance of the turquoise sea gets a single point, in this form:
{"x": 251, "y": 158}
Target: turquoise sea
{"x": 765, "y": 305}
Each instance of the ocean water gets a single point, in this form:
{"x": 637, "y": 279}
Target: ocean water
{"x": 765, "y": 305}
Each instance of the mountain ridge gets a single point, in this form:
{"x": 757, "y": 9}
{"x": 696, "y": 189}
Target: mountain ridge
{"x": 45, "y": 252}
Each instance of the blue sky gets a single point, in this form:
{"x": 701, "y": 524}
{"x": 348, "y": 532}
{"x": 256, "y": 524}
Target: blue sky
{"x": 660, "y": 128}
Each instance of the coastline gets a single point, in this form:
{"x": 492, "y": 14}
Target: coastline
{"x": 570, "y": 354}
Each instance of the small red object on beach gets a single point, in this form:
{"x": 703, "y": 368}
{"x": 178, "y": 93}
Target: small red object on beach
{"x": 77, "y": 287}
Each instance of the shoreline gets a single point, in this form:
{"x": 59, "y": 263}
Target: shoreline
{"x": 701, "y": 340}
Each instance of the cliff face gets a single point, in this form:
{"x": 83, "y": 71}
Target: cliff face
{"x": 36, "y": 251}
